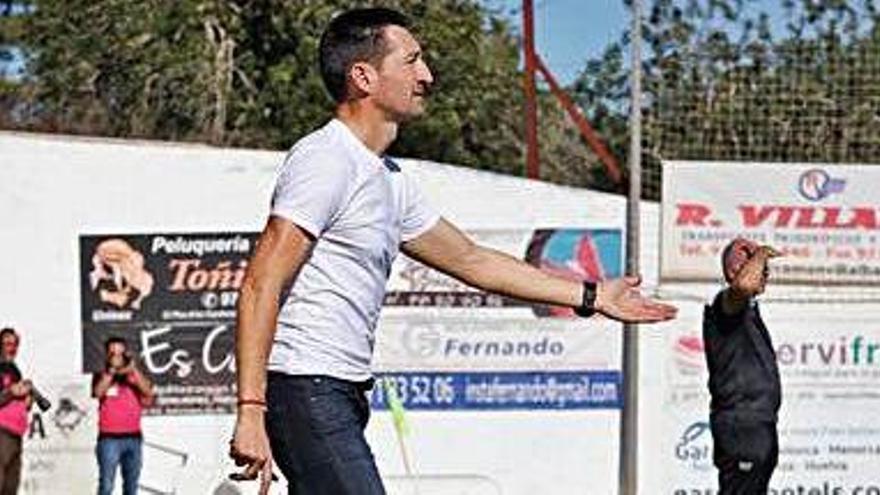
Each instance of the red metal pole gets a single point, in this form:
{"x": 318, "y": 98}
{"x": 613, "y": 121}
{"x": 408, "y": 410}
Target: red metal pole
{"x": 586, "y": 129}
{"x": 532, "y": 157}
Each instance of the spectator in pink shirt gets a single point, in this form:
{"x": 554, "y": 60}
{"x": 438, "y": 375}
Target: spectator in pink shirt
{"x": 15, "y": 401}
{"x": 122, "y": 391}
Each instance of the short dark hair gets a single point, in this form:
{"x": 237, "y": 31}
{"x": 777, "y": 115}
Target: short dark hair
{"x": 354, "y": 36}
{"x": 9, "y": 331}
{"x": 114, "y": 340}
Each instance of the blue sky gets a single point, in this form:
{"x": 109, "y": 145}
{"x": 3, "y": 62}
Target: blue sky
{"x": 569, "y": 32}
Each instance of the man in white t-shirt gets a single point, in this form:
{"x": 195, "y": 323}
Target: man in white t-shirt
{"x": 311, "y": 298}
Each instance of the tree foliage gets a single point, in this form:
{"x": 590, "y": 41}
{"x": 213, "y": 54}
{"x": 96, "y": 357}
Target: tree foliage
{"x": 726, "y": 81}
{"x": 244, "y": 73}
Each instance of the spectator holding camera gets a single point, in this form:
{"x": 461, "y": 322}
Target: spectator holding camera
{"x": 15, "y": 401}
{"x": 122, "y": 391}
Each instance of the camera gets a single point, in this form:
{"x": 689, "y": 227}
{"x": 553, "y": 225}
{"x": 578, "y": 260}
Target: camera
{"x": 127, "y": 358}
{"x": 40, "y": 400}
{"x": 116, "y": 371}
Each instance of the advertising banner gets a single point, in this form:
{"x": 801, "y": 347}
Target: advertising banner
{"x": 828, "y": 435}
{"x": 448, "y": 346}
{"x": 505, "y": 390}
{"x": 173, "y": 296}
{"x": 824, "y": 219}
{"x": 469, "y": 361}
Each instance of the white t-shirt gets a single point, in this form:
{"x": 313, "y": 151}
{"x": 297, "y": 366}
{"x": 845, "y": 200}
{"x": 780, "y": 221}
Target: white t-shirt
{"x": 359, "y": 208}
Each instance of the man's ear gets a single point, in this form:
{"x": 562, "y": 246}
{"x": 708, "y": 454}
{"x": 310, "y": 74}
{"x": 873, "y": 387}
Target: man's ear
{"x": 363, "y": 78}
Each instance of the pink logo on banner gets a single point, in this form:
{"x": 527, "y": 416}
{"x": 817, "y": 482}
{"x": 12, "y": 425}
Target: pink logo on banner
{"x": 688, "y": 355}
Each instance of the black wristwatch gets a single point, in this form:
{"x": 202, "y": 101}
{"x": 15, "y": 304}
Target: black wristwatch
{"x": 588, "y": 300}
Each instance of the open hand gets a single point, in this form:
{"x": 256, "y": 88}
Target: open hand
{"x": 621, "y": 300}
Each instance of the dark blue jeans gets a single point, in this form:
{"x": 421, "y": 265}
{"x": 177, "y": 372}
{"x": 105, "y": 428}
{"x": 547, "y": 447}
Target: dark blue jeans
{"x": 113, "y": 452}
{"x": 316, "y": 429}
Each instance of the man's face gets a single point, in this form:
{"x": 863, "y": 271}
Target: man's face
{"x": 404, "y": 77}
{"x": 116, "y": 354}
{"x": 9, "y": 347}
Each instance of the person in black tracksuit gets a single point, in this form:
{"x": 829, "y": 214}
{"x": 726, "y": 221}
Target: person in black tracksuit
{"x": 743, "y": 376}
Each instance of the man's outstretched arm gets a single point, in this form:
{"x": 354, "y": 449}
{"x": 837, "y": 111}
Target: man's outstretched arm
{"x": 450, "y": 251}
